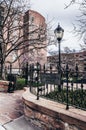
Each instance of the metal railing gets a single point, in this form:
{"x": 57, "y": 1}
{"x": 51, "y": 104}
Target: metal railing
{"x": 44, "y": 83}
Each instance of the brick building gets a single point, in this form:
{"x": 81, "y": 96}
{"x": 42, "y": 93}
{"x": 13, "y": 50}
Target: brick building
{"x": 72, "y": 59}
{"x": 9, "y": 34}
{"x": 35, "y": 36}
{"x": 30, "y": 21}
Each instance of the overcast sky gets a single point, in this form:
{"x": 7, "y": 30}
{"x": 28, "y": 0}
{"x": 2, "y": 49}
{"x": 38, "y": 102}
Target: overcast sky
{"x": 54, "y": 9}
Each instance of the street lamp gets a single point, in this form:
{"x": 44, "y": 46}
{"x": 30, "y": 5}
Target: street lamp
{"x": 59, "y": 35}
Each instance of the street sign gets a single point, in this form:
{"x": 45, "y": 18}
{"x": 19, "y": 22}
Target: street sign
{"x": 50, "y": 78}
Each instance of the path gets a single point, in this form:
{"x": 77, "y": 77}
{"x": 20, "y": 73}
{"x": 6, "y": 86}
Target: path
{"x": 11, "y": 112}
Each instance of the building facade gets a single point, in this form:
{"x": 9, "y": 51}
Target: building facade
{"x": 35, "y": 38}
{"x": 71, "y": 59}
{"x": 33, "y": 31}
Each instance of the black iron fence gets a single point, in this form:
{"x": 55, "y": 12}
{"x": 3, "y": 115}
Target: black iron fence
{"x": 44, "y": 82}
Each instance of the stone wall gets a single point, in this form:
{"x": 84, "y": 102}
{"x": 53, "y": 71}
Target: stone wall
{"x": 3, "y": 86}
{"x": 51, "y": 118}
{"x": 42, "y": 120}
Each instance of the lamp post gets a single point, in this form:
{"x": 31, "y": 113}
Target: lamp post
{"x": 59, "y": 35}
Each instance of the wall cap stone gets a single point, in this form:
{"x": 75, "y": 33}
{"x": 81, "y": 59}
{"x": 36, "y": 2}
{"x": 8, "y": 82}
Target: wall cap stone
{"x": 72, "y": 116}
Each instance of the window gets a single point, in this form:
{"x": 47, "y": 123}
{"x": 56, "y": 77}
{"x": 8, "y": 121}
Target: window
{"x": 84, "y": 68}
{"x": 76, "y": 55}
{"x": 26, "y": 18}
{"x": 81, "y": 56}
{"x": 1, "y": 20}
{"x": 1, "y": 13}
{"x": 31, "y": 19}
{"x": 1, "y": 8}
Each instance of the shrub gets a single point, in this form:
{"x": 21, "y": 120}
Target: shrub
{"x": 35, "y": 84}
{"x": 20, "y": 83}
{"x": 75, "y": 98}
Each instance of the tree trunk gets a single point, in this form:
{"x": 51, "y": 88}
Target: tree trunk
{"x": 2, "y": 70}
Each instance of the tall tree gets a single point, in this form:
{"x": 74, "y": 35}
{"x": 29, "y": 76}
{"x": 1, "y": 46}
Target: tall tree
{"x": 80, "y": 27}
{"x": 11, "y": 32}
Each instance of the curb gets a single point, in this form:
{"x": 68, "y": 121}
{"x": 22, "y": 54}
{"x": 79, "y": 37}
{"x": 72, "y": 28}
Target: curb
{"x": 2, "y": 128}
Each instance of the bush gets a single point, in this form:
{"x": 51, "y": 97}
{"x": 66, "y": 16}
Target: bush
{"x": 75, "y": 98}
{"x": 35, "y": 84}
{"x": 20, "y": 84}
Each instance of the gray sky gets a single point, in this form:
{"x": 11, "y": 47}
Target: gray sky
{"x": 54, "y": 9}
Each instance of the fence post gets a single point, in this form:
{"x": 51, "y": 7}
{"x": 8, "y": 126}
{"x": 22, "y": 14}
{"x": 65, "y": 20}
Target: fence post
{"x": 26, "y": 74}
{"x": 50, "y": 76}
{"x": 72, "y": 92}
{"x": 67, "y": 72}
{"x": 76, "y": 68}
{"x": 81, "y": 94}
{"x": 30, "y": 76}
{"x": 37, "y": 79}
{"x": 44, "y": 68}
{"x": 10, "y": 68}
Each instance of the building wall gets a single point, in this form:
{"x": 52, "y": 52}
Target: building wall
{"x": 33, "y": 23}
{"x": 72, "y": 59}
{"x": 17, "y": 37}
{"x": 13, "y": 34}
{"x": 31, "y": 20}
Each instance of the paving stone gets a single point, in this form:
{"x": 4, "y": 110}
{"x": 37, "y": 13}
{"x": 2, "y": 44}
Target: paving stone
{"x": 20, "y": 123}
{"x": 4, "y": 119}
{"x": 11, "y": 111}
{"x": 11, "y": 106}
{"x": 15, "y": 115}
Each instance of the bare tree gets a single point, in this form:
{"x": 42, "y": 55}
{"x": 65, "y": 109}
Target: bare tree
{"x": 12, "y": 37}
{"x": 67, "y": 50}
{"x": 80, "y": 26}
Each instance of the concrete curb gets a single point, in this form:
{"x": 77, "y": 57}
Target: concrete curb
{"x": 2, "y": 128}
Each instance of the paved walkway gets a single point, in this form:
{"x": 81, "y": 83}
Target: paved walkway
{"x": 11, "y": 112}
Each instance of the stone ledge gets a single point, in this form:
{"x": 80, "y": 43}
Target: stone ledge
{"x": 4, "y": 85}
{"x": 73, "y": 117}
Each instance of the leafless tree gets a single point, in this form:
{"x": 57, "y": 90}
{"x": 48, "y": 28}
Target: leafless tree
{"x": 80, "y": 26}
{"x": 12, "y": 38}
{"x": 67, "y": 50}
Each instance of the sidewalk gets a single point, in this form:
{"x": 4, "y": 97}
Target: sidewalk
{"x": 12, "y": 115}
{"x": 11, "y": 106}
{"x": 11, "y": 112}
{"x": 20, "y": 124}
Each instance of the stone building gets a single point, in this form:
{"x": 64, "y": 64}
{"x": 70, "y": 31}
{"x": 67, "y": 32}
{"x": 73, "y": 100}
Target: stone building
{"x": 33, "y": 34}
{"x": 8, "y": 34}
{"x": 72, "y": 59}
{"x": 35, "y": 38}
